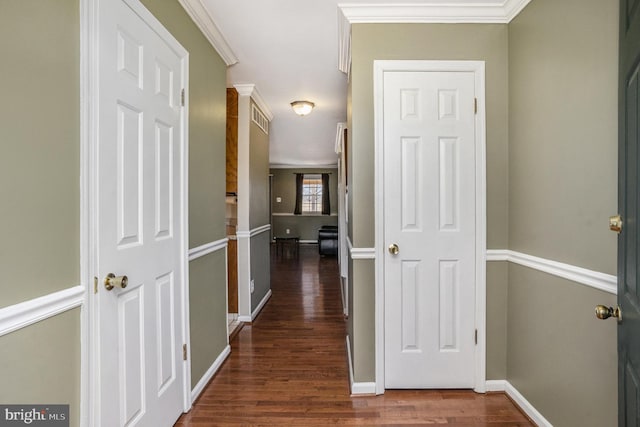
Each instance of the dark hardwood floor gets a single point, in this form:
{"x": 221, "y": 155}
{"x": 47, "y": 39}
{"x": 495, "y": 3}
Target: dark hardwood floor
{"x": 289, "y": 368}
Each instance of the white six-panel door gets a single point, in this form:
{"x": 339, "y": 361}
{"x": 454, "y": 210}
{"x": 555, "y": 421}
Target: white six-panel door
{"x": 139, "y": 233}
{"x": 430, "y": 214}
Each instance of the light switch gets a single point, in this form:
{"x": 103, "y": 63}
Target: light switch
{"x": 278, "y": 199}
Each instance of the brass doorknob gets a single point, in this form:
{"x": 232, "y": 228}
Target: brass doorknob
{"x": 604, "y": 312}
{"x": 394, "y": 249}
{"x": 615, "y": 223}
{"x": 113, "y": 281}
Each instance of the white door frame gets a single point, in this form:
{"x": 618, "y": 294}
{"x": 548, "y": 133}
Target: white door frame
{"x": 89, "y": 101}
{"x": 343, "y": 251}
{"x": 478, "y": 68}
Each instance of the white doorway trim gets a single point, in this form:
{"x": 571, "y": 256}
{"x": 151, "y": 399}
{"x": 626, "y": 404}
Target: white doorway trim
{"x": 89, "y": 101}
{"x": 478, "y": 68}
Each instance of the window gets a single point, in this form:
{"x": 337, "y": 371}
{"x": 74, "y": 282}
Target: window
{"x": 312, "y": 194}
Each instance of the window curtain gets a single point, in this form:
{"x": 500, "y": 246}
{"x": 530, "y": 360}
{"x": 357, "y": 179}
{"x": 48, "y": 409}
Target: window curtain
{"x": 299, "y": 181}
{"x": 326, "y": 204}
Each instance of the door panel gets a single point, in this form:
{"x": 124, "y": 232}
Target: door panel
{"x": 449, "y": 305}
{"x": 429, "y": 212}
{"x": 139, "y": 187}
{"x": 128, "y": 172}
{"x": 131, "y": 356}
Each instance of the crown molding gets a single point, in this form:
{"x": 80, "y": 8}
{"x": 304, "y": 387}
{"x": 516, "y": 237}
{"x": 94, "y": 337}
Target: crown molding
{"x": 435, "y": 12}
{"x": 344, "y": 42}
{"x": 423, "y": 13}
{"x": 513, "y": 8}
{"x": 340, "y": 137}
{"x": 262, "y": 104}
{"x": 201, "y": 17}
{"x": 249, "y": 89}
{"x": 245, "y": 89}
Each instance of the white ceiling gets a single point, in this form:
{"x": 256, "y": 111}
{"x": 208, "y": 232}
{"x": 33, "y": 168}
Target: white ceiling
{"x": 289, "y": 50}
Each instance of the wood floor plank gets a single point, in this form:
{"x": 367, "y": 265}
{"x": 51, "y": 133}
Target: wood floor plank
{"x": 289, "y": 368}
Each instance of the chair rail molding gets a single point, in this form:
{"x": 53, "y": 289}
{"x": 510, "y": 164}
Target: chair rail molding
{"x": 27, "y": 313}
{"x": 207, "y": 248}
{"x": 253, "y": 232}
{"x": 360, "y": 253}
{"x": 595, "y": 279}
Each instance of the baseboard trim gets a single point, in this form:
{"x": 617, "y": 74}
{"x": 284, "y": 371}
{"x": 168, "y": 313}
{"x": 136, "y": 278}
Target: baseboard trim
{"x": 520, "y": 400}
{"x": 358, "y": 388}
{"x": 258, "y": 309}
{"x": 202, "y": 384}
{"x": 343, "y": 287}
{"x": 496, "y": 385}
{"x": 591, "y": 278}
{"x": 27, "y": 313}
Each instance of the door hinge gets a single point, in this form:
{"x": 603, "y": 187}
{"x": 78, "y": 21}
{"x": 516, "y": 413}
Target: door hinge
{"x": 184, "y": 352}
{"x": 95, "y": 285}
{"x": 476, "y": 337}
{"x": 475, "y": 105}
{"x": 182, "y": 98}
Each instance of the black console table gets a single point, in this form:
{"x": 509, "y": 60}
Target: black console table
{"x": 286, "y": 243}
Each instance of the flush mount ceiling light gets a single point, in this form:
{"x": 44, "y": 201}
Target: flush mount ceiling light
{"x": 302, "y": 108}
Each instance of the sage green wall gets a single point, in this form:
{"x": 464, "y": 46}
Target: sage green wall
{"x": 304, "y": 226}
{"x": 563, "y": 131}
{"x": 362, "y": 335}
{"x": 560, "y": 357}
{"x": 40, "y": 364}
{"x": 260, "y": 245}
{"x": 40, "y": 193}
{"x": 258, "y": 176}
{"x": 563, "y": 186}
{"x": 39, "y": 168}
{"x": 208, "y": 312}
{"x": 284, "y": 186}
{"x": 486, "y": 42}
{"x": 260, "y": 267}
{"x": 207, "y": 180}
{"x": 497, "y": 280}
